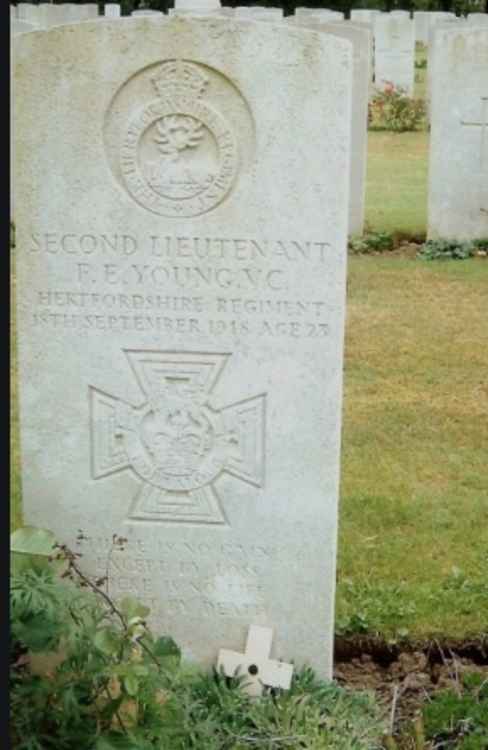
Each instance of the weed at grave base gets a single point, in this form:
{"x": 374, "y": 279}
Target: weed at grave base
{"x": 107, "y": 683}
{"x": 444, "y": 249}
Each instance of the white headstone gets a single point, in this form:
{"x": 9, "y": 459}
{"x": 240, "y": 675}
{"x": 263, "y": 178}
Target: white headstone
{"x": 458, "y": 169}
{"x": 421, "y": 19}
{"x": 141, "y": 13}
{"x": 481, "y": 19}
{"x": 394, "y": 52}
{"x": 49, "y": 15}
{"x": 258, "y": 13}
{"x": 197, "y": 5}
{"x": 434, "y": 25}
{"x": 111, "y": 10}
{"x": 255, "y": 664}
{"x": 88, "y": 11}
{"x": 361, "y": 37}
{"x": 69, "y": 13}
{"x": 20, "y": 27}
{"x": 181, "y": 266}
{"x": 362, "y": 15}
{"x": 322, "y": 14}
{"x": 28, "y": 12}
{"x": 400, "y": 14}
{"x": 13, "y": 12}
{"x": 196, "y": 8}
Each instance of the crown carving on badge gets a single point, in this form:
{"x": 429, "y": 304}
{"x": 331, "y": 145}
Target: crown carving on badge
{"x": 177, "y": 78}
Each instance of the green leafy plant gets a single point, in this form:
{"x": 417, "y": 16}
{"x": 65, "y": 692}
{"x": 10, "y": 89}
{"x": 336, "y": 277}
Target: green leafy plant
{"x": 371, "y": 242}
{"x": 87, "y": 673}
{"x": 392, "y": 109}
{"x": 86, "y": 670}
{"x": 446, "y": 250}
{"x": 458, "y": 718}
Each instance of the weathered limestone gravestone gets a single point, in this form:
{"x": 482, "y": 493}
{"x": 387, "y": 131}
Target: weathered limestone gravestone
{"x": 400, "y": 14}
{"x": 458, "y": 168}
{"x": 46, "y": 15}
{"x": 19, "y": 27}
{"x": 361, "y": 38}
{"x": 433, "y": 27}
{"x": 425, "y": 21}
{"x": 146, "y": 12}
{"x": 478, "y": 18}
{"x": 394, "y": 54}
{"x": 362, "y": 15}
{"x": 322, "y": 14}
{"x": 421, "y": 20}
{"x": 111, "y": 10}
{"x": 258, "y": 13}
{"x": 181, "y": 284}
{"x": 28, "y": 12}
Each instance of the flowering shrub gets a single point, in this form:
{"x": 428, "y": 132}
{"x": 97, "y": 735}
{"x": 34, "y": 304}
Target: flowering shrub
{"x": 392, "y": 109}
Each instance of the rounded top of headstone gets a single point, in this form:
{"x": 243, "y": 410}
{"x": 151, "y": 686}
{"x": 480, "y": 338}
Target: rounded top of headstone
{"x": 147, "y": 13}
{"x": 197, "y": 5}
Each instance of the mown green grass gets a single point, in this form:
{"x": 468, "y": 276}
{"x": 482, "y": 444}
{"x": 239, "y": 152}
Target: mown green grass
{"x": 396, "y": 182}
{"x": 414, "y": 507}
{"x": 397, "y": 174}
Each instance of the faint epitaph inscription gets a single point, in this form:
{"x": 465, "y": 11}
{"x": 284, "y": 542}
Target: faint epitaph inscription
{"x": 179, "y": 156}
{"x": 174, "y": 441}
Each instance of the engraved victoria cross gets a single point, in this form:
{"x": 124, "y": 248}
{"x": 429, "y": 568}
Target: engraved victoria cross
{"x": 175, "y": 441}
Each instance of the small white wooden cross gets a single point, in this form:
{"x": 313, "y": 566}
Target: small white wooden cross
{"x": 255, "y": 663}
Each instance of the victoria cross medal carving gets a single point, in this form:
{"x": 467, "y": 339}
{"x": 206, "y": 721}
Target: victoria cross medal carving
{"x": 175, "y": 442}
{"x": 179, "y": 156}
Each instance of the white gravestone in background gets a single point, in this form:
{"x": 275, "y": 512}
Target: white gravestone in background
{"x": 362, "y": 41}
{"x": 140, "y": 13}
{"x": 450, "y": 23}
{"x": 28, "y": 12}
{"x": 362, "y": 15}
{"x": 322, "y": 14}
{"x": 394, "y": 54}
{"x": 425, "y": 21}
{"x": 19, "y": 27}
{"x": 197, "y": 5}
{"x": 257, "y": 13}
{"x": 458, "y": 168}
{"x": 181, "y": 252}
{"x": 111, "y": 10}
{"x": 478, "y": 18}
{"x": 196, "y": 8}
{"x": 421, "y": 20}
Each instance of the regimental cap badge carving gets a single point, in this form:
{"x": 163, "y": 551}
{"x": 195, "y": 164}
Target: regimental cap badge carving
{"x": 179, "y": 78}
{"x": 180, "y": 156}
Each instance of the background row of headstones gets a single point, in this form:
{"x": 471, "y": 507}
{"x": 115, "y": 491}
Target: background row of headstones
{"x": 47, "y": 14}
{"x": 384, "y": 52}
{"x": 393, "y": 34}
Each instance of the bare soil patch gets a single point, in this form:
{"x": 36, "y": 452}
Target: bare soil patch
{"x": 404, "y": 676}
